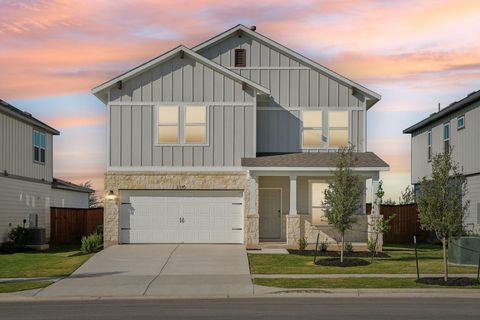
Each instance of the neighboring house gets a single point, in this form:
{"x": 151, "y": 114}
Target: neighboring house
{"x": 232, "y": 141}
{"x": 458, "y": 127}
{"x": 27, "y": 186}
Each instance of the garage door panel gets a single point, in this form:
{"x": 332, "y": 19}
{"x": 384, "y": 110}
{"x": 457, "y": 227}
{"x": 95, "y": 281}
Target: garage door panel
{"x": 181, "y": 216}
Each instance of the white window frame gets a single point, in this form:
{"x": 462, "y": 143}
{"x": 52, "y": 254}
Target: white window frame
{"x": 181, "y": 125}
{"x": 195, "y": 124}
{"x": 40, "y": 148}
{"x": 446, "y": 124}
{"x": 310, "y": 198}
{"x": 338, "y": 129}
{"x": 322, "y": 129}
{"x": 463, "y": 118}
{"x": 429, "y": 145}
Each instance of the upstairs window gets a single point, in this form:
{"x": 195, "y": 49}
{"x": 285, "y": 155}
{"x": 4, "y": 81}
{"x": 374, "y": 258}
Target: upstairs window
{"x": 460, "y": 122}
{"x": 312, "y": 134}
{"x": 446, "y": 137}
{"x": 338, "y": 128}
{"x": 429, "y": 145}
{"x": 240, "y": 58}
{"x": 196, "y": 125}
{"x": 168, "y": 126}
{"x": 182, "y": 125}
{"x": 39, "y": 146}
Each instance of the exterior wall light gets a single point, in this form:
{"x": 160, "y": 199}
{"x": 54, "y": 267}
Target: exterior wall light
{"x": 111, "y": 195}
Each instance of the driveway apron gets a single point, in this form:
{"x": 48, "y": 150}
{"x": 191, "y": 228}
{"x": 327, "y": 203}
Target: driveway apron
{"x": 173, "y": 270}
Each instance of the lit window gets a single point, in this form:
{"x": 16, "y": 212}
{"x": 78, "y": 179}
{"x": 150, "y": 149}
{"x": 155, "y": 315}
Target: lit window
{"x": 460, "y": 122}
{"x": 196, "y": 125}
{"x": 317, "y": 194}
{"x": 338, "y": 128}
{"x": 429, "y": 145}
{"x": 39, "y": 145}
{"x": 168, "y": 125}
{"x": 312, "y": 129}
{"x": 446, "y": 137}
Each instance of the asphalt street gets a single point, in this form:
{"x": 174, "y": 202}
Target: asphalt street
{"x": 251, "y": 308}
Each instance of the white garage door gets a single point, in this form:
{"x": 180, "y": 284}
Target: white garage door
{"x": 181, "y": 216}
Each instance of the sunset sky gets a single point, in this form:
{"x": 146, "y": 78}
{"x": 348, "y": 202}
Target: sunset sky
{"x": 416, "y": 54}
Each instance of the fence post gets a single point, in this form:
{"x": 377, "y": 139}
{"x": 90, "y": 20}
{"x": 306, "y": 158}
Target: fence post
{"x": 416, "y": 256}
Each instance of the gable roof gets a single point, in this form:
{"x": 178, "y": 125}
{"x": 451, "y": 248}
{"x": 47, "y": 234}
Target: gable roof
{"x": 100, "y": 91}
{"x": 457, "y": 105}
{"x": 26, "y": 117}
{"x": 372, "y": 95}
{"x": 66, "y": 185}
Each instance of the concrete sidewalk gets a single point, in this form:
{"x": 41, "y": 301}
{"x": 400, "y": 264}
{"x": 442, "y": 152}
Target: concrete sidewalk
{"x": 363, "y": 275}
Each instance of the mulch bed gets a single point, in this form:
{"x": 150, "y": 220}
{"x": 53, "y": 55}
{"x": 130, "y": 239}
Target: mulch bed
{"x": 457, "y": 282}
{"x": 347, "y": 262}
{"x": 359, "y": 254}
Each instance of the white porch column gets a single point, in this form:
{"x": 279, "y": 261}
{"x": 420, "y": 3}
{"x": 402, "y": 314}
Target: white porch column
{"x": 293, "y": 195}
{"x": 375, "y": 200}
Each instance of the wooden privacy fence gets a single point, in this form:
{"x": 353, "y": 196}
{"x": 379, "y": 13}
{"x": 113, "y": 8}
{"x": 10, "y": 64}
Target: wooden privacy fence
{"x": 404, "y": 225}
{"x": 68, "y": 225}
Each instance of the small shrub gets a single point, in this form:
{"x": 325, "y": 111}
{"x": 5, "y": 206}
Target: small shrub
{"x": 323, "y": 247}
{"x": 92, "y": 243}
{"x": 302, "y": 244}
{"x": 348, "y": 247}
{"x": 18, "y": 236}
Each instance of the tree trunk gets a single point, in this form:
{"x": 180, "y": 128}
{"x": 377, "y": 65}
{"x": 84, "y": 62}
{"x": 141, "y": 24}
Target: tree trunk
{"x": 342, "y": 248}
{"x": 445, "y": 261}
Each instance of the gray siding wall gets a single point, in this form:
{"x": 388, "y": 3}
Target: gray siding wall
{"x": 231, "y": 131}
{"x": 291, "y": 82}
{"x": 16, "y": 150}
{"x": 294, "y": 86}
{"x": 465, "y": 143}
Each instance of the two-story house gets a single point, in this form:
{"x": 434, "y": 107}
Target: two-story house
{"x": 456, "y": 127}
{"x": 27, "y": 186}
{"x": 231, "y": 141}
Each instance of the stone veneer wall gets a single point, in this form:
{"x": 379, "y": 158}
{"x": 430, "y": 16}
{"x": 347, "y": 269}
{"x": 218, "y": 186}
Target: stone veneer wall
{"x": 117, "y": 181}
{"x": 358, "y": 234}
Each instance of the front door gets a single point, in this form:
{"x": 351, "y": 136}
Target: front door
{"x": 270, "y": 211}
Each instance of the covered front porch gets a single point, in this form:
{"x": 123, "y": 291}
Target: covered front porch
{"x": 289, "y": 199}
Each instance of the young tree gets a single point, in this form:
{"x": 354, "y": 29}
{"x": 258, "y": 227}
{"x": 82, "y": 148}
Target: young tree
{"x": 92, "y": 197}
{"x": 343, "y": 197}
{"x": 407, "y": 196}
{"x": 389, "y": 201}
{"x": 440, "y": 204}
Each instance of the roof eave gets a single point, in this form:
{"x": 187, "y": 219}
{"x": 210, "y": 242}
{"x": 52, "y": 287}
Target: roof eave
{"x": 100, "y": 91}
{"x": 374, "y": 96}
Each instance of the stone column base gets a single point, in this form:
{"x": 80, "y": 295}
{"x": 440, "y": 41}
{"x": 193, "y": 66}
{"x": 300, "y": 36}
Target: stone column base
{"x": 252, "y": 230}
{"x": 372, "y": 221}
{"x": 293, "y": 230}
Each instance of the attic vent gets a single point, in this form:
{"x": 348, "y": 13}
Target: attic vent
{"x": 240, "y": 57}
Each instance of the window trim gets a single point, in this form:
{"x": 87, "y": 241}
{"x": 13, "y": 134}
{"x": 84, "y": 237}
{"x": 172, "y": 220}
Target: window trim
{"x": 338, "y": 129}
{"x": 310, "y": 198}
{"x": 463, "y": 126}
{"x": 244, "y": 53}
{"x": 181, "y": 125}
{"x": 429, "y": 145}
{"x": 322, "y": 129}
{"x": 40, "y": 148}
{"x": 446, "y": 124}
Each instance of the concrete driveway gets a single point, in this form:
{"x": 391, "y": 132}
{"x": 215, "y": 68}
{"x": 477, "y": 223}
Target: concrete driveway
{"x": 174, "y": 270}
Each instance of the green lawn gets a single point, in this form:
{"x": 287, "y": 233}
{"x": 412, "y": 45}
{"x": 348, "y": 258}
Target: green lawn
{"x": 401, "y": 260}
{"x": 19, "y": 286}
{"x": 55, "y": 262}
{"x": 349, "y": 283}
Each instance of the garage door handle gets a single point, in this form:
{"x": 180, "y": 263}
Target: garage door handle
{"x": 237, "y": 203}
{"x": 126, "y": 228}
{"x": 237, "y": 228}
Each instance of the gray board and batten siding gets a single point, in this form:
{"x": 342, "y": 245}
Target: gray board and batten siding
{"x": 294, "y": 86}
{"x": 16, "y": 144}
{"x": 177, "y": 81}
